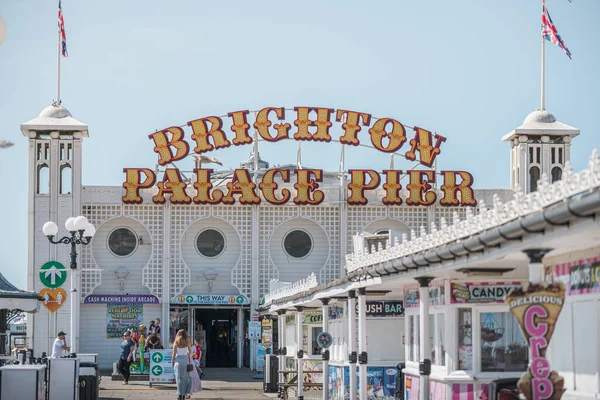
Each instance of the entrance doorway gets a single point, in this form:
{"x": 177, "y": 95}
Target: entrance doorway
{"x": 216, "y": 331}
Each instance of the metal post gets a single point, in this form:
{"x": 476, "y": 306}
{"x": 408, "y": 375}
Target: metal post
{"x": 325, "y": 310}
{"x": 425, "y": 347}
{"x": 362, "y": 343}
{"x": 74, "y": 322}
{"x": 282, "y": 350}
{"x": 352, "y": 357}
{"x": 240, "y": 337}
{"x": 300, "y": 354}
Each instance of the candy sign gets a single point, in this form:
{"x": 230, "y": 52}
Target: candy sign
{"x": 536, "y": 308}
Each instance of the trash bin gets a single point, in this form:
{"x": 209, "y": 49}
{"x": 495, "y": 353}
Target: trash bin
{"x": 89, "y": 381}
{"x": 400, "y": 381}
{"x": 23, "y": 382}
{"x": 271, "y": 374}
{"x": 63, "y": 377}
{"x": 503, "y": 389}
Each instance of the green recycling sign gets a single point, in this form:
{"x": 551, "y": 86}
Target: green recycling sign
{"x": 161, "y": 370}
{"x": 53, "y": 274}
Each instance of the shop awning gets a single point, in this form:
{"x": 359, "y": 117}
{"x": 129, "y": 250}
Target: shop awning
{"x": 12, "y": 298}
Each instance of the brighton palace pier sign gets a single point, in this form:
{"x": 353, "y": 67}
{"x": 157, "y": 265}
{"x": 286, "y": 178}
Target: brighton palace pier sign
{"x": 312, "y": 124}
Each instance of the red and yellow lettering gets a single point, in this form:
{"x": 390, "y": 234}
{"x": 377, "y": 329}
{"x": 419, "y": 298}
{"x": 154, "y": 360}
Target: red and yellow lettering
{"x": 203, "y": 186}
{"x": 322, "y": 123}
{"x": 467, "y": 197}
{"x": 268, "y": 186}
{"x": 202, "y": 132}
{"x": 358, "y": 185}
{"x": 262, "y": 124}
{"x": 173, "y": 184}
{"x": 305, "y": 186}
{"x": 163, "y": 145}
{"x": 133, "y": 184}
{"x": 422, "y": 144}
{"x": 240, "y": 127}
{"x": 418, "y": 189}
{"x": 392, "y": 187}
{"x": 241, "y": 184}
{"x": 396, "y": 136}
{"x": 351, "y": 126}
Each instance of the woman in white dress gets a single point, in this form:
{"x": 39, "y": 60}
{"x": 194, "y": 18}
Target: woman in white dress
{"x": 182, "y": 357}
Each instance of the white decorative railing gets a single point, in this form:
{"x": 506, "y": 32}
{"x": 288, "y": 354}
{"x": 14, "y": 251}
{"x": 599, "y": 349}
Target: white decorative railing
{"x": 500, "y": 213}
{"x": 293, "y": 288}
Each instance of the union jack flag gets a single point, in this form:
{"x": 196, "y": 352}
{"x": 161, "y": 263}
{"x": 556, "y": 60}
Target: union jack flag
{"x": 549, "y": 31}
{"x": 63, "y": 34}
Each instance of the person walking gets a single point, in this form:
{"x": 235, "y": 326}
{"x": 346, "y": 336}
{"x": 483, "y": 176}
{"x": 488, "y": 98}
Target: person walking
{"x": 127, "y": 349}
{"x": 182, "y": 363}
{"x": 60, "y": 344}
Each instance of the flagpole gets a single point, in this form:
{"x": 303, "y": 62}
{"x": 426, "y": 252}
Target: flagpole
{"x": 58, "y": 81}
{"x": 543, "y": 72}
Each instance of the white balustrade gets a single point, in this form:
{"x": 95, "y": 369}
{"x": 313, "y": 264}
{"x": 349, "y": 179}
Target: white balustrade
{"x": 547, "y": 193}
{"x": 293, "y": 288}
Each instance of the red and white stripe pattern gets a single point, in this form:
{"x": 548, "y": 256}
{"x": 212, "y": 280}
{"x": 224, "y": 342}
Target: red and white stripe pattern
{"x": 463, "y": 391}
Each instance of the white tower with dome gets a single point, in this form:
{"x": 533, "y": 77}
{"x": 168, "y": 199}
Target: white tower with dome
{"x": 541, "y": 145}
{"x": 55, "y": 139}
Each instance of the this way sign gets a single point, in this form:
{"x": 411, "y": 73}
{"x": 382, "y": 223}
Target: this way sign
{"x": 161, "y": 370}
{"x": 53, "y": 274}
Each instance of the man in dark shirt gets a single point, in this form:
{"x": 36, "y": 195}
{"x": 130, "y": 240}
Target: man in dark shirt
{"x": 127, "y": 349}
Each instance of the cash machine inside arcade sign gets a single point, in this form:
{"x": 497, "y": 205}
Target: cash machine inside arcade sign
{"x": 311, "y": 124}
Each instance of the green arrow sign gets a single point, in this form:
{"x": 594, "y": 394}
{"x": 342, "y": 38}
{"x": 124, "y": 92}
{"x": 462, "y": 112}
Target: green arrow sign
{"x": 157, "y": 357}
{"x": 53, "y": 274}
{"x": 157, "y": 370}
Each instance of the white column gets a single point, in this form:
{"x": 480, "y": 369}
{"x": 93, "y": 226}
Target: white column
{"x": 281, "y": 340}
{"x": 352, "y": 342}
{"x": 425, "y": 346}
{"x": 76, "y": 172}
{"x": 300, "y": 354}
{"x": 362, "y": 343}
{"x": 166, "y": 276}
{"x": 536, "y": 267}
{"x": 327, "y": 354}
{"x": 240, "y": 337}
{"x": 31, "y": 233}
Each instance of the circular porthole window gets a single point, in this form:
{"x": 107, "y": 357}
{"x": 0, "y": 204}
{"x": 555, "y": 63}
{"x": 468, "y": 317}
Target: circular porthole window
{"x": 210, "y": 243}
{"x": 297, "y": 244}
{"x": 122, "y": 242}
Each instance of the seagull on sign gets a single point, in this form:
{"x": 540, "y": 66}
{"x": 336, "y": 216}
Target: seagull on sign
{"x": 202, "y": 159}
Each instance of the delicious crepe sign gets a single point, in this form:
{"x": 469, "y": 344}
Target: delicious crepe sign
{"x": 312, "y": 124}
{"x": 536, "y": 308}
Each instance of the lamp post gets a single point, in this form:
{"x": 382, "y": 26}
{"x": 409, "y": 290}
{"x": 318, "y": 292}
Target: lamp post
{"x": 81, "y": 233}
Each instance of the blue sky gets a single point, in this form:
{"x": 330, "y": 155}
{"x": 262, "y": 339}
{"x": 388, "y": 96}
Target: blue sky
{"x": 468, "y": 69}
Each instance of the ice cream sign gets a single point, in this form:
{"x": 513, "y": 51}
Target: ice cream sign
{"x": 536, "y": 308}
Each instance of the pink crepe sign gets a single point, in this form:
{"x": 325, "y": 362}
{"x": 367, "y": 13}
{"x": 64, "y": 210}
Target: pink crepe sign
{"x": 536, "y": 308}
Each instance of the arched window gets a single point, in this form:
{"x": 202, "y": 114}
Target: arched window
{"x": 556, "y": 174}
{"x": 66, "y": 179}
{"x": 534, "y": 177}
{"x": 43, "y": 179}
